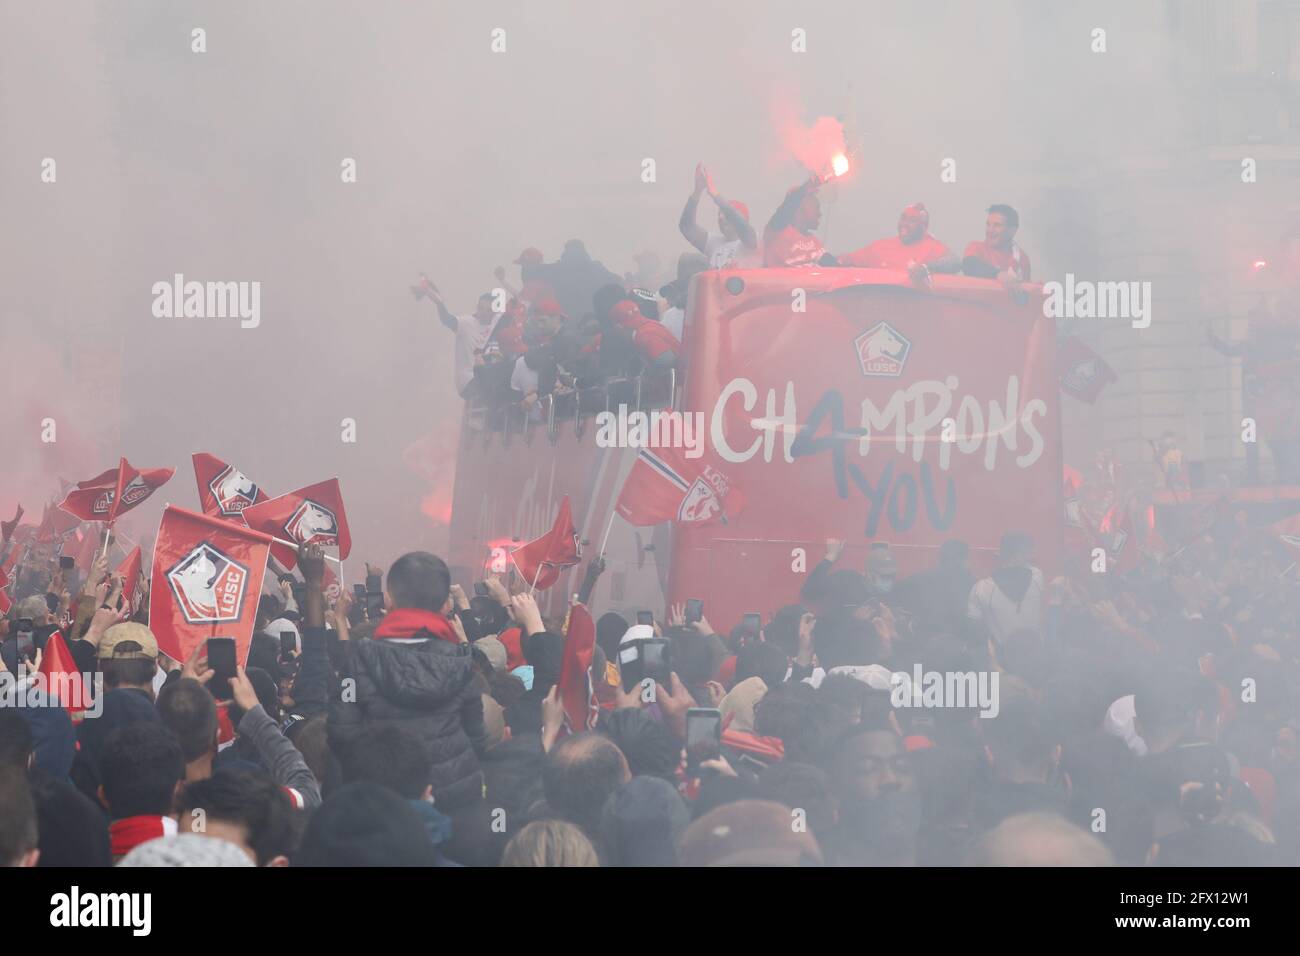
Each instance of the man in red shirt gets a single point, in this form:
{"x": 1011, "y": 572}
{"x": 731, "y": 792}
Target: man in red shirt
{"x": 789, "y": 239}
{"x": 913, "y": 249}
{"x": 998, "y": 256}
{"x": 657, "y": 346}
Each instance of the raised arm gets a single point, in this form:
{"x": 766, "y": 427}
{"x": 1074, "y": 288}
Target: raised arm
{"x": 695, "y": 235}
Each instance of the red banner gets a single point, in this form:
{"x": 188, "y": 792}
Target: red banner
{"x": 576, "y": 691}
{"x": 207, "y": 577}
{"x": 541, "y": 561}
{"x": 311, "y": 515}
{"x": 665, "y": 485}
{"x": 224, "y": 490}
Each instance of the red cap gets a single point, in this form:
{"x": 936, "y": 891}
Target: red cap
{"x": 626, "y": 312}
{"x": 530, "y": 256}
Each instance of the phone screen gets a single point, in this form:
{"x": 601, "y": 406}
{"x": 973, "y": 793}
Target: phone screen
{"x": 221, "y": 658}
{"x": 703, "y": 735}
{"x": 480, "y": 589}
{"x": 654, "y": 661}
{"x": 753, "y": 623}
{"x": 67, "y": 563}
{"x": 630, "y": 665}
{"x": 288, "y": 643}
{"x": 645, "y": 617}
{"x": 694, "y": 611}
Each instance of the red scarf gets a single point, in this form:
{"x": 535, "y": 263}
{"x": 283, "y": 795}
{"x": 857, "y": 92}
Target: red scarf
{"x": 409, "y": 621}
{"x": 128, "y": 833}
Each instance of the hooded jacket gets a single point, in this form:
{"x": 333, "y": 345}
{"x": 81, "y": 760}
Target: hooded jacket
{"x": 426, "y": 685}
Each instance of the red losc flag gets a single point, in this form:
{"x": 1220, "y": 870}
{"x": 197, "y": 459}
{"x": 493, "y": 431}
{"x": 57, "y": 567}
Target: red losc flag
{"x": 665, "y": 485}
{"x": 1082, "y": 371}
{"x": 541, "y": 561}
{"x": 311, "y": 515}
{"x": 115, "y": 492}
{"x": 206, "y": 580}
{"x": 224, "y": 490}
{"x": 576, "y": 691}
{"x": 132, "y": 580}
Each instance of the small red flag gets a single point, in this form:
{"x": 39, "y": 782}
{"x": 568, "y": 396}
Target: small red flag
{"x": 62, "y": 679}
{"x": 132, "y": 580}
{"x": 207, "y": 576}
{"x": 115, "y": 492}
{"x": 8, "y": 580}
{"x": 541, "y": 561}
{"x": 311, "y": 515}
{"x": 1083, "y": 373}
{"x": 576, "y": 691}
{"x": 224, "y": 490}
{"x": 7, "y": 527}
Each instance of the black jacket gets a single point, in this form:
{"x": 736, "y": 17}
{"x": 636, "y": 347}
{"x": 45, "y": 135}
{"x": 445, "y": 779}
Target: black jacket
{"x": 428, "y": 688}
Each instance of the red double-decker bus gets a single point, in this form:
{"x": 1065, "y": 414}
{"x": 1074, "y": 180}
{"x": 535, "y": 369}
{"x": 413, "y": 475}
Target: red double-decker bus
{"x": 842, "y": 403}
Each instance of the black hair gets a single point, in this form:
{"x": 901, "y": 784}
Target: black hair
{"x": 1006, "y": 212}
{"x": 763, "y": 660}
{"x": 18, "y": 834}
{"x": 139, "y": 769}
{"x": 419, "y": 580}
{"x": 842, "y": 639}
{"x": 134, "y": 672}
{"x": 389, "y": 755}
{"x": 188, "y": 711}
{"x": 649, "y": 746}
{"x": 250, "y": 800}
{"x": 801, "y": 786}
{"x": 16, "y": 741}
{"x": 804, "y": 724}
{"x": 606, "y": 297}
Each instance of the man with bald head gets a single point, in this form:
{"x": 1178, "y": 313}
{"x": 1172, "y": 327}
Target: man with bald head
{"x": 913, "y": 249}
{"x": 1040, "y": 839}
{"x": 580, "y": 774}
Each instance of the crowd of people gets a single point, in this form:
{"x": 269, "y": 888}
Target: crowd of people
{"x": 1149, "y": 716}
{"x": 572, "y": 324}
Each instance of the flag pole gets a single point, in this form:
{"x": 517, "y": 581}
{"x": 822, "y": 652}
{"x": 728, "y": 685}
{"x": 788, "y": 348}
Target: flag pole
{"x": 536, "y": 576}
{"x": 608, "y": 528}
{"x": 296, "y": 547}
{"x": 108, "y": 533}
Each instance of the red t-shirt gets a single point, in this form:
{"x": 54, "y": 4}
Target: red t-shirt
{"x": 1001, "y": 259}
{"x": 653, "y": 340}
{"x": 891, "y": 253}
{"x": 790, "y": 247}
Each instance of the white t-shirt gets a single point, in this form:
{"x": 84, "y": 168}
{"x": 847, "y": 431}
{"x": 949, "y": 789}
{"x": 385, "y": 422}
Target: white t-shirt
{"x": 471, "y": 335}
{"x": 1003, "y": 616}
{"x": 723, "y": 253}
{"x": 524, "y": 379}
{"x": 673, "y": 320}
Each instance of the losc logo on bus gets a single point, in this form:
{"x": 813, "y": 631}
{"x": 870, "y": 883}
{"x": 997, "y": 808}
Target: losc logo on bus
{"x": 208, "y": 586}
{"x": 882, "y": 351}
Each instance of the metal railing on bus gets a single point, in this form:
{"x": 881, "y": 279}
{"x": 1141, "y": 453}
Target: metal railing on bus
{"x": 644, "y": 392}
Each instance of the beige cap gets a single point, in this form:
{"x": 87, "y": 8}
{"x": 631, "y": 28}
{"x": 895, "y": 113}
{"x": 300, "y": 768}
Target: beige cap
{"x": 128, "y": 641}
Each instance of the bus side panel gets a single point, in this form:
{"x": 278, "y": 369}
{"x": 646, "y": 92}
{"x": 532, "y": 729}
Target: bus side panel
{"x": 508, "y": 494}
{"x": 879, "y": 413}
